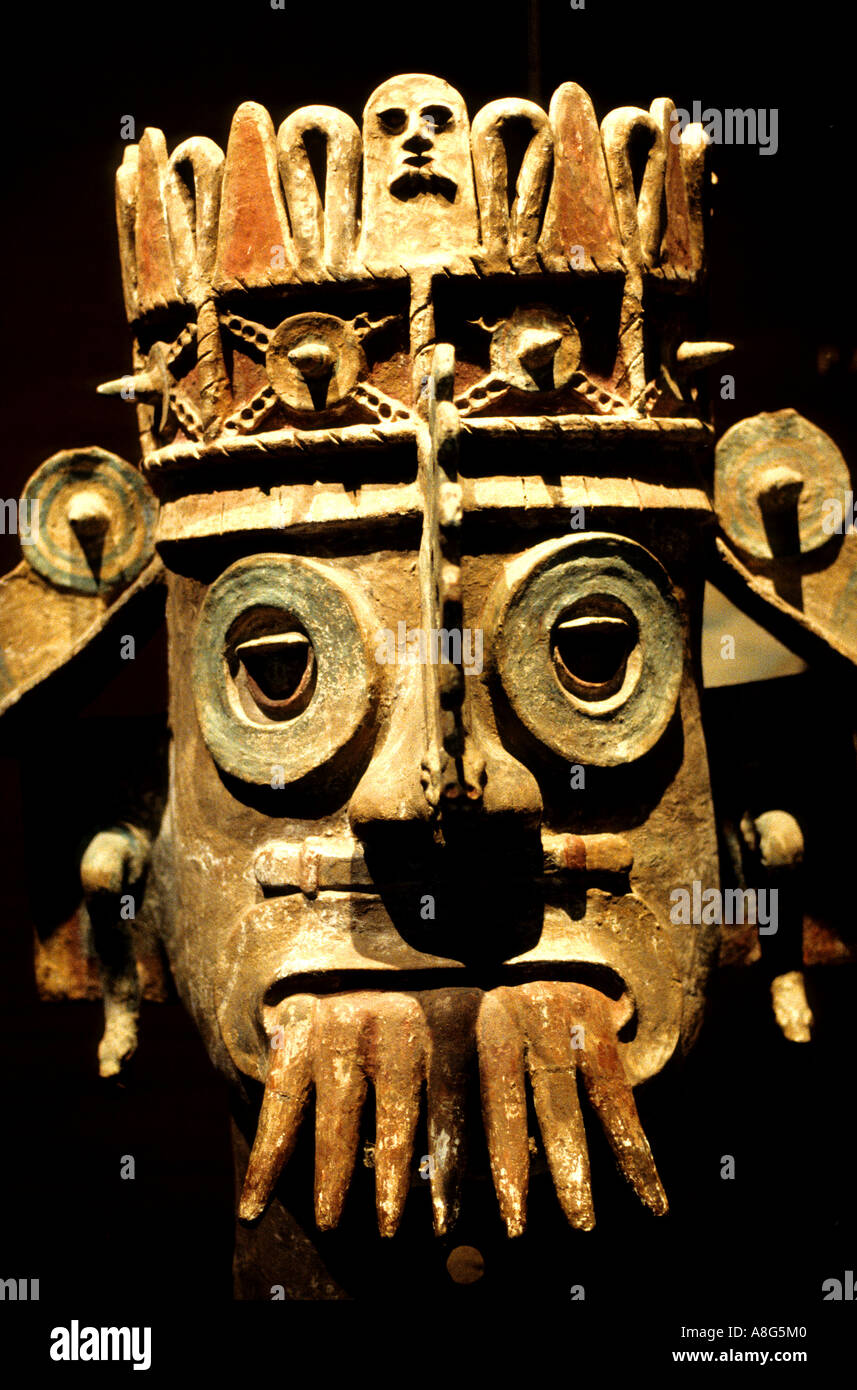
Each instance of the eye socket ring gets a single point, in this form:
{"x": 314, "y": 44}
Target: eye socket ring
{"x": 282, "y": 674}
{"x": 588, "y": 645}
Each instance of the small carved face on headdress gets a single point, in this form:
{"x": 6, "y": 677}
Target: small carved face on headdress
{"x": 417, "y": 176}
{"x": 421, "y": 131}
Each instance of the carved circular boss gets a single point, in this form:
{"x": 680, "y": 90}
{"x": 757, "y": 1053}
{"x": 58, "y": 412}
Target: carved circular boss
{"x": 93, "y": 521}
{"x": 314, "y": 361}
{"x": 772, "y": 475}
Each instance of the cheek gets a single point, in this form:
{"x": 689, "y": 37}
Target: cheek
{"x": 389, "y": 149}
{"x": 449, "y": 145}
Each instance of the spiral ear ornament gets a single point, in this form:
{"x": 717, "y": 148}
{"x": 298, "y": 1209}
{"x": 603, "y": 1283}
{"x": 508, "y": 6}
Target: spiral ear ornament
{"x": 772, "y": 474}
{"x": 95, "y": 524}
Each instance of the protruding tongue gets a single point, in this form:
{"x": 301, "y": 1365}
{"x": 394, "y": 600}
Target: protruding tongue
{"x": 451, "y": 1017}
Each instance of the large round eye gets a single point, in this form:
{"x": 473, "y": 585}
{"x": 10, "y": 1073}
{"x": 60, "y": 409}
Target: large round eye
{"x": 282, "y": 676}
{"x": 587, "y": 641}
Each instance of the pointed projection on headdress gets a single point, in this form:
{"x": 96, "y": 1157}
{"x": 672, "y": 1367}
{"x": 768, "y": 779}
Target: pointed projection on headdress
{"x": 192, "y": 195}
{"x": 580, "y": 222}
{"x": 640, "y": 214}
{"x": 156, "y": 281}
{"x": 127, "y": 178}
{"x": 511, "y": 235}
{"x": 324, "y": 222}
{"x": 254, "y": 245}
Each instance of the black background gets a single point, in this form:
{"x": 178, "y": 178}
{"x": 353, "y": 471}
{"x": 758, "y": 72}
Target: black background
{"x": 780, "y": 241}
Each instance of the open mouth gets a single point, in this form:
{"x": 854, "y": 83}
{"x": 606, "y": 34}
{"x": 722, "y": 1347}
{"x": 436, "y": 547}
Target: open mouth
{"x": 341, "y": 1004}
{"x": 324, "y": 982}
{"x": 421, "y": 178}
{"x": 421, "y": 1048}
{"x": 336, "y": 987}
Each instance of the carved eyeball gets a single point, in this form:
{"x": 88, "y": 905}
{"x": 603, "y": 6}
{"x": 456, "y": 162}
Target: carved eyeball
{"x": 283, "y": 676}
{"x": 591, "y": 645}
{"x": 587, "y": 642}
{"x": 272, "y": 665}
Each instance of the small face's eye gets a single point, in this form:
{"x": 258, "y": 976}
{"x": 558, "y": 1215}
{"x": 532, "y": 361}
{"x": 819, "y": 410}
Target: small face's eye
{"x": 394, "y": 120}
{"x": 438, "y": 117}
{"x": 590, "y": 653}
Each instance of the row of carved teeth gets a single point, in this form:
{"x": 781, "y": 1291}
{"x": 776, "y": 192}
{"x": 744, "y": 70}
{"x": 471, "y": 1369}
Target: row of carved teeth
{"x": 404, "y": 1044}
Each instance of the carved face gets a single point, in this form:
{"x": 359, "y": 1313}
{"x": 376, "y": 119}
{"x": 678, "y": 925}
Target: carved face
{"x": 418, "y": 200}
{"x": 335, "y": 930}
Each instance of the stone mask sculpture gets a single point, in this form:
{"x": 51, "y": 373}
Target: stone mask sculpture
{"x": 427, "y": 490}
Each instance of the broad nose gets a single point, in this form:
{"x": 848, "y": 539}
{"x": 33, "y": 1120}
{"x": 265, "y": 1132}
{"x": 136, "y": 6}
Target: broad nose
{"x": 457, "y": 875}
{"x": 419, "y": 134}
{"x": 397, "y": 785}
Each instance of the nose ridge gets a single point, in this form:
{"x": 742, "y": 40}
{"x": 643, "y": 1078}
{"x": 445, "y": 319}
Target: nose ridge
{"x": 390, "y": 789}
{"x": 418, "y": 138}
{"x": 510, "y": 789}
{"x": 394, "y": 788}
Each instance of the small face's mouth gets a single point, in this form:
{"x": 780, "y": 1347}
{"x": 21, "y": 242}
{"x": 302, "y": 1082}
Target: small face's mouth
{"x": 420, "y": 177}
